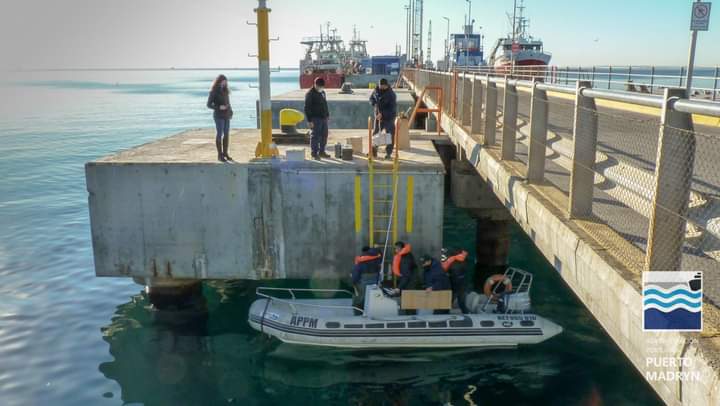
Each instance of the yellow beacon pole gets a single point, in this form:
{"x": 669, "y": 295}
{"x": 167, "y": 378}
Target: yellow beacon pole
{"x": 263, "y": 149}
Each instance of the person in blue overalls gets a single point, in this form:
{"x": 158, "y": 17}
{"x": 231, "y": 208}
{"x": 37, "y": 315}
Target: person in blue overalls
{"x": 434, "y": 277}
{"x": 384, "y": 102}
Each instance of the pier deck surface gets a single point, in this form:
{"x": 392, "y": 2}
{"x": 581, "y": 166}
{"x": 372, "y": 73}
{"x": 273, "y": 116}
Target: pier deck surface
{"x": 198, "y": 146}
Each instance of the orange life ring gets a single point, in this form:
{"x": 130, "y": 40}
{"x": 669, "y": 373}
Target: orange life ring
{"x": 497, "y": 278}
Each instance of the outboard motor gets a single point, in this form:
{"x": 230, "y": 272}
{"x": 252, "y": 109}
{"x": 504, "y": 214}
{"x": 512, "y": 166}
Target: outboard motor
{"x": 512, "y": 303}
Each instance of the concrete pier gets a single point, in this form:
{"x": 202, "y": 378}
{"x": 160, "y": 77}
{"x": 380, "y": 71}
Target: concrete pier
{"x": 596, "y": 263}
{"x": 168, "y": 210}
{"x": 347, "y": 111}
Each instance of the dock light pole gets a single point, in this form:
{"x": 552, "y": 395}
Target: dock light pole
{"x": 263, "y": 149}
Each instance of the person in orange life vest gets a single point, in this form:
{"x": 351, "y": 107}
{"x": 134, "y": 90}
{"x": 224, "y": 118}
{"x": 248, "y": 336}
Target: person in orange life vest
{"x": 365, "y": 272}
{"x": 453, "y": 262}
{"x": 403, "y": 265}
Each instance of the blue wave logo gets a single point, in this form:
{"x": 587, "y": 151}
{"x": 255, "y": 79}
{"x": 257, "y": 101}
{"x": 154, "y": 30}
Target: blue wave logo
{"x": 672, "y": 301}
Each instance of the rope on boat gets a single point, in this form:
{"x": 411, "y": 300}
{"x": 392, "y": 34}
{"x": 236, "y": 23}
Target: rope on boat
{"x": 262, "y": 318}
{"x": 390, "y": 221}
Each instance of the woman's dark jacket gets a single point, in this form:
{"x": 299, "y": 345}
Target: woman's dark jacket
{"x": 217, "y": 98}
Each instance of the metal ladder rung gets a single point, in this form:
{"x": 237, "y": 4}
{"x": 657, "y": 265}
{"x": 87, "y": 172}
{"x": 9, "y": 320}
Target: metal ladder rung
{"x": 382, "y": 216}
{"x": 382, "y": 201}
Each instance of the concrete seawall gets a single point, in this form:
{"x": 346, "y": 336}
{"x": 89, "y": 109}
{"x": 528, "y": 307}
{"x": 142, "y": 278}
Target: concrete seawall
{"x": 169, "y": 210}
{"x": 347, "y": 111}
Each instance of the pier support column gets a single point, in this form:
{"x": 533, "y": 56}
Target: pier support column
{"x": 510, "y": 114}
{"x": 476, "y": 116}
{"x": 582, "y": 176}
{"x": 490, "y": 113}
{"x": 673, "y": 177}
{"x": 466, "y": 101}
{"x": 468, "y": 191}
{"x": 172, "y": 294}
{"x": 538, "y": 135}
{"x": 492, "y": 246}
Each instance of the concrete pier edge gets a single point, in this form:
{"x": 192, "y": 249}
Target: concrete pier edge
{"x": 609, "y": 290}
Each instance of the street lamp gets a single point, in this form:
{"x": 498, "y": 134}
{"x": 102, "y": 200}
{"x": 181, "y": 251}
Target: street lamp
{"x": 447, "y": 45}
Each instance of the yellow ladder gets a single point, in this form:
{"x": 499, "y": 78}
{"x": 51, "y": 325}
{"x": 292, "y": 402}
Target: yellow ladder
{"x": 382, "y": 199}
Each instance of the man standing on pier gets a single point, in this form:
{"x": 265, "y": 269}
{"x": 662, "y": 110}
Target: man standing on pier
{"x": 384, "y": 101}
{"x": 317, "y": 115}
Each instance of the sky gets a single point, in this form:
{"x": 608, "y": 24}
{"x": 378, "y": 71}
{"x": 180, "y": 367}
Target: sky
{"x": 214, "y": 33}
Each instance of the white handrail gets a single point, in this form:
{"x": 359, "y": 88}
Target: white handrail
{"x": 292, "y": 303}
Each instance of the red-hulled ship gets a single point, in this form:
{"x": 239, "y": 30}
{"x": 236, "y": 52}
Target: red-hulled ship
{"x": 519, "y": 52}
{"x": 327, "y": 57}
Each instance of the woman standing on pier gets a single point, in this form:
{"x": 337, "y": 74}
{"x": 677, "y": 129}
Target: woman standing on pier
{"x": 219, "y": 101}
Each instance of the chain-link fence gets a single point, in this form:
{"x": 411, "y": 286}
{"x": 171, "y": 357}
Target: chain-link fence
{"x": 647, "y": 192}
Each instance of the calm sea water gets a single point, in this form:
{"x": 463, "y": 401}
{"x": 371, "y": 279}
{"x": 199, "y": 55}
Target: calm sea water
{"x": 69, "y": 338}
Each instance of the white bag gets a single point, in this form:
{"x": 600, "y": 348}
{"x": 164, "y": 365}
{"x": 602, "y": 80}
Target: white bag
{"x": 382, "y": 138}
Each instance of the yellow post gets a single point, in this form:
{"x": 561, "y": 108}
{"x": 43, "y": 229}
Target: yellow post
{"x": 263, "y": 149}
{"x": 371, "y": 186}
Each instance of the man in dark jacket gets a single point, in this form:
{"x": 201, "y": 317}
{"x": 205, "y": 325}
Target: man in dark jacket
{"x": 317, "y": 115}
{"x": 434, "y": 277}
{"x": 384, "y": 101}
{"x": 453, "y": 262}
{"x": 365, "y": 272}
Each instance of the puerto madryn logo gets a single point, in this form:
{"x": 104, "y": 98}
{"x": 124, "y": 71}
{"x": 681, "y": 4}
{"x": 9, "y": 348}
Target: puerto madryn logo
{"x": 672, "y": 301}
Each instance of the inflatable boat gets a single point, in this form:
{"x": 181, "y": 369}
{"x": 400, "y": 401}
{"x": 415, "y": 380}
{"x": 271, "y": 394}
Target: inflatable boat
{"x": 334, "y": 321}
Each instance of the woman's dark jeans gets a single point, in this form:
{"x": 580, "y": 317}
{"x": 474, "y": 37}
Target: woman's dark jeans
{"x": 222, "y": 125}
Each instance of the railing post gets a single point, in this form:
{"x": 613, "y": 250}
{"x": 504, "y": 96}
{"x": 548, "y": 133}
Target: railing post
{"x": 453, "y": 111}
{"x": 652, "y": 78}
{"x": 715, "y": 83}
{"x": 476, "y": 109}
{"x": 460, "y": 96}
{"x": 592, "y": 80}
{"x": 538, "y": 135}
{"x": 491, "y": 94}
{"x": 609, "y": 75}
{"x": 582, "y": 176}
{"x": 673, "y": 177}
{"x": 466, "y": 101}
{"x": 510, "y": 114}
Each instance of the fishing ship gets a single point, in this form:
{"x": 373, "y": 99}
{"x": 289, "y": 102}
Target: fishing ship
{"x": 519, "y": 51}
{"x": 326, "y": 56}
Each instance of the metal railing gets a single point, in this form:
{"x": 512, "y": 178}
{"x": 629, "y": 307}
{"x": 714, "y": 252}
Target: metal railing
{"x": 641, "y": 79}
{"x": 652, "y": 179}
{"x": 293, "y": 301}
